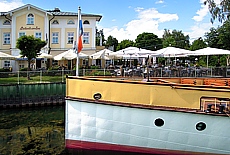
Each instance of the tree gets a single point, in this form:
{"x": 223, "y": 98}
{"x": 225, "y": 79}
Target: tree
{"x": 224, "y": 35}
{"x": 212, "y": 38}
{"x": 198, "y": 44}
{"x": 169, "y": 41}
{"x": 30, "y": 47}
{"x": 99, "y": 36}
{"x": 175, "y": 39}
{"x": 124, "y": 44}
{"x": 220, "y": 37}
{"x": 218, "y": 11}
{"x": 111, "y": 42}
{"x": 148, "y": 41}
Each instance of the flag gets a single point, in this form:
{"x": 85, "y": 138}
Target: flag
{"x": 80, "y": 32}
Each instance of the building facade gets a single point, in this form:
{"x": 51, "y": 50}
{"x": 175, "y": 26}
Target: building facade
{"x": 57, "y": 28}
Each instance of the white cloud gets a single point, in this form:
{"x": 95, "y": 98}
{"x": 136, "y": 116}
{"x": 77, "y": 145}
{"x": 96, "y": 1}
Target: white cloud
{"x": 202, "y": 12}
{"x": 154, "y": 14}
{"x": 10, "y": 5}
{"x": 159, "y": 1}
{"x": 148, "y": 21}
{"x": 198, "y": 30}
{"x": 138, "y": 9}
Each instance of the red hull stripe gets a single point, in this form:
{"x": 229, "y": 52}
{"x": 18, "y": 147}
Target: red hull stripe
{"x": 83, "y": 145}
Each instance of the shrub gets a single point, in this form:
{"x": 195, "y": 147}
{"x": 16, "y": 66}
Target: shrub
{"x": 99, "y": 73}
{"x": 24, "y": 69}
{"x": 4, "y": 70}
{"x": 94, "y": 67}
{"x": 55, "y": 68}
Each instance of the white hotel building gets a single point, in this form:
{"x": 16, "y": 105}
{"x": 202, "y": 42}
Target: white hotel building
{"x": 54, "y": 26}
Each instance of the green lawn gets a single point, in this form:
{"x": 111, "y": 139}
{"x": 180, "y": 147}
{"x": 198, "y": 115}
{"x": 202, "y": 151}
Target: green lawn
{"x": 34, "y": 79}
{"x": 49, "y": 76}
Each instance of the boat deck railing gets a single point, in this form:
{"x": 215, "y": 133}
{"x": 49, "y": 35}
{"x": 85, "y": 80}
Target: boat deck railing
{"x": 215, "y": 105}
{"x": 41, "y": 76}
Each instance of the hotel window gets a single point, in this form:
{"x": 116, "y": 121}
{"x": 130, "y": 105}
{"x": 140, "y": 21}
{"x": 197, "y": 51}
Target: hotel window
{"x": 70, "y": 22}
{"x": 85, "y": 62}
{"x": 6, "y": 63}
{"x": 21, "y": 66}
{"x": 6, "y": 22}
{"x": 54, "y": 62}
{"x": 38, "y": 35}
{"x": 21, "y": 34}
{"x": 86, "y": 22}
{"x": 70, "y": 37}
{"x": 30, "y": 19}
{"x": 86, "y": 38}
{"x": 6, "y": 38}
{"x": 55, "y": 38}
{"x": 55, "y": 22}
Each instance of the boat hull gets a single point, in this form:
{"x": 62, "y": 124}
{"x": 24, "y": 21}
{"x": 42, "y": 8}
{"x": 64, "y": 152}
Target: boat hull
{"x": 102, "y": 126}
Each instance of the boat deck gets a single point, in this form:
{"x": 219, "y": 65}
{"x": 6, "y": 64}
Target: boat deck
{"x": 193, "y": 81}
{"x": 196, "y": 95}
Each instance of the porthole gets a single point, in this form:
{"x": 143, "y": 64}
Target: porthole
{"x": 159, "y": 122}
{"x": 200, "y": 126}
{"x": 97, "y": 96}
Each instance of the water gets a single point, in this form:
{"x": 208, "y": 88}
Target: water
{"x": 32, "y": 131}
{"x": 37, "y": 131}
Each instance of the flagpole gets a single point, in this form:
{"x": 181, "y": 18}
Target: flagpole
{"x": 78, "y": 26}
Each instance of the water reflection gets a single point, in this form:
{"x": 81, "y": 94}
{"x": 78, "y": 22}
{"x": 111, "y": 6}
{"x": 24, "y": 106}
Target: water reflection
{"x": 32, "y": 131}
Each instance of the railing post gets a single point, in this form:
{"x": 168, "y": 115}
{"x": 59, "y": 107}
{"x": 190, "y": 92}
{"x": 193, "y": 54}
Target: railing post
{"x": 18, "y": 77}
{"x": 62, "y": 75}
{"x": 211, "y": 72}
{"x": 83, "y": 72}
{"x": 195, "y": 71}
{"x": 40, "y": 76}
{"x": 161, "y": 72}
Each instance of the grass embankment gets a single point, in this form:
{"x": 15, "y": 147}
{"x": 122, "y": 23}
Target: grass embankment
{"x": 34, "y": 79}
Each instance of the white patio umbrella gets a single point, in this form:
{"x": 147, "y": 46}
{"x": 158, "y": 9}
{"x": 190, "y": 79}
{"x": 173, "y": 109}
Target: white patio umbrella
{"x": 128, "y": 50}
{"x": 45, "y": 55}
{"x": 209, "y": 51}
{"x": 131, "y": 56}
{"x": 140, "y": 51}
{"x": 172, "y": 52}
{"x": 69, "y": 55}
{"x": 102, "y": 54}
{"x": 4, "y": 56}
{"x": 116, "y": 55}
{"x": 125, "y": 53}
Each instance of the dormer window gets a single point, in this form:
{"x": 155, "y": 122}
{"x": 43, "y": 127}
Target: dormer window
{"x": 30, "y": 19}
{"x": 70, "y": 22}
{"x": 55, "y": 22}
{"x": 86, "y": 22}
{"x": 6, "y": 22}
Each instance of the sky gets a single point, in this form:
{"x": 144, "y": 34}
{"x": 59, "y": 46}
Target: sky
{"x": 126, "y": 19}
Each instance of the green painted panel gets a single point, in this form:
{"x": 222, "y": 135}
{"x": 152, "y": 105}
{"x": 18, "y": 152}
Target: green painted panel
{"x": 32, "y": 90}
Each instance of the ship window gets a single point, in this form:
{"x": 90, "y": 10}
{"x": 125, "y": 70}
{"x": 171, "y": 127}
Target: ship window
{"x": 200, "y": 126}
{"x": 159, "y": 122}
